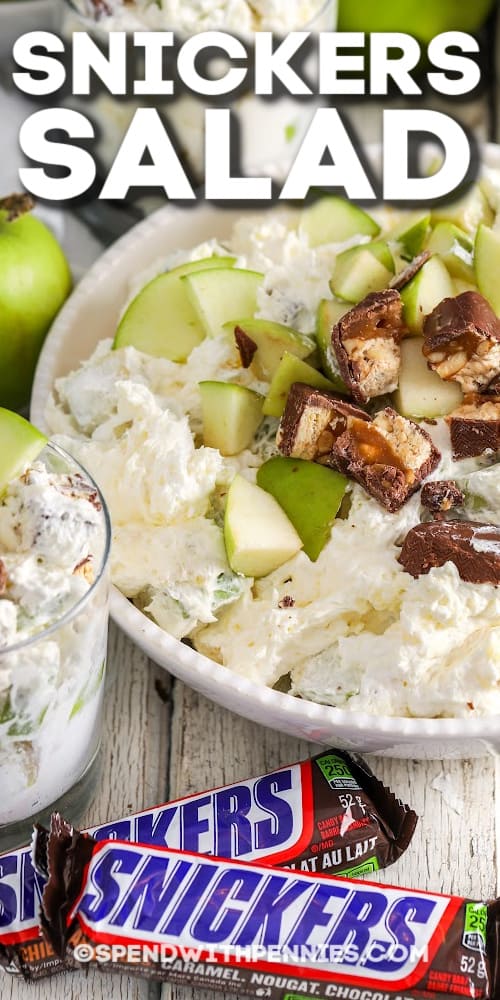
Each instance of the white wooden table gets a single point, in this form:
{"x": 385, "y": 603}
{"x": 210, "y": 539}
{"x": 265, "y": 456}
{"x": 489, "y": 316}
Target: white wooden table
{"x": 162, "y": 740}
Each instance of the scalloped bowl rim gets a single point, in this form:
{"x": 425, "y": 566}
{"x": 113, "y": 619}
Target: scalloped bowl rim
{"x": 270, "y": 707}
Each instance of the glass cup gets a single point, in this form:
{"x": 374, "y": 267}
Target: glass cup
{"x": 271, "y": 130}
{"x": 51, "y": 696}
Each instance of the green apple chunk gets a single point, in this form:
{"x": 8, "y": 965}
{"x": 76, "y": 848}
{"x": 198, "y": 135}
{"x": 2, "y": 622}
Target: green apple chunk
{"x": 362, "y": 270}
{"x": 309, "y": 494}
{"x": 220, "y": 294}
{"x": 231, "y": 415}
{"x": 467, "y": 212}
{"x": 411, "y": 234}
{"x": 161, "y": 320}
{"x": 35, "y": 280}
{"x": 487, "y": 265}
{"x": 334, "y": 220}
{"x": 421, "y": 295}
{"x": 258, "y": 535}
{"x": 20, "y": 444}
{"x": 272, "y": 340}
{"x": 421, "y": 392}
{"x": 329, "y": 313}
{"x": 290, "y": 370}
{"x": 455, "y": 249}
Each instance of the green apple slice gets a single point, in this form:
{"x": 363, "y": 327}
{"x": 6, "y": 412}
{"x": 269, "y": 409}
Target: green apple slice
{"x": 231, "y": 415}
{"x": 468, "y": 212}
{"x": 421, "y": 392}
{"x": 329, "y": 313}
{"x": 421, "y": 295}
{"x": 309, "y": 494}
{"x": 161, "y": 320}
{"x": 272, "y": 340}
{"x": 460, "y": 286}
{"x": 334, "y": 220}
{"x": 20, "y": 444}
{"x": 258, "y": 535}
{"x": 219, "y": 295}
{"x": 411, "y": 234}
{"x": 455, "y": 249}
{"x": 487, "y": 265}
{"x": 290, "y": 370}
{"x": 361, "y": 270}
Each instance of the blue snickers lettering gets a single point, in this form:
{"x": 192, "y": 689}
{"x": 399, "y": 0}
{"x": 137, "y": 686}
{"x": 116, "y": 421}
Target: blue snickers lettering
{"x": 363, "y": 911}
{"x": 278, "y": 828}
{"x": 414, "y": 909}
{"x": 263, "y": 923}
{"x": 114, "y": 831}
{"x": 233, "y": 828}
{"x": 8, "y": 899}
{"x": 31, "y": 886}
{"x": 316, "y": 914}
{"x": 177, "y": 920}
{"x": 150, "y": 892}
{"x": 192, "y": 824}
{"x": 98, "y": 904}
{"x": 153, "y": 829}
{"x": 217, "y": 920}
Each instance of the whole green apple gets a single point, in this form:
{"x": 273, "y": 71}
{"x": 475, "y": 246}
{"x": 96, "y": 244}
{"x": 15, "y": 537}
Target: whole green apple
{"x": 422, "y": 18}
{"x": 35, "y": 280}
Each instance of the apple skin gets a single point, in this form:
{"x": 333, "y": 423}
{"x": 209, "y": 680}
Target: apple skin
{"x": 422, "y": 18}
{"x": 35, "y": 280}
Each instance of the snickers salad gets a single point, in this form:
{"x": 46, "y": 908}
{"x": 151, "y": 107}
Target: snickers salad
{"x": 53, "y": 620}
{"x": 297, "y": 433}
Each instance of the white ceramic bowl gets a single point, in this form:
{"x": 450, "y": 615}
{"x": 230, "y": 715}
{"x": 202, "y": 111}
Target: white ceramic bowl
{"x": 92, "y": 313}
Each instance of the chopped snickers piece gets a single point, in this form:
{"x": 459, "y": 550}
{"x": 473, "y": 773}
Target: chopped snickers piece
{"x": 311, "y": 421}
{"x": 3, "y": 578}
{"x": 402, "y": 279}
{"x": 475, "y": 426}
{"x": 472, "y": 547}
{"x": 462, "y": 341}
{"x": 390, "y": 456}
{"x": 246, "y": 346}
{"x": 366, "y": 344}
{"x": 440, "y": 496}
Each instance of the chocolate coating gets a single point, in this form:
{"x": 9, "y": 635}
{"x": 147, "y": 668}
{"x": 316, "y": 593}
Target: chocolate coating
{"x": 409, "y": 272}
{"x": 369, "y": 368}
{"x": 472, "y": 547}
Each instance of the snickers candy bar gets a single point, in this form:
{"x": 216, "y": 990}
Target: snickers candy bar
{"x": 475, "y": 426}
{"x": 202, "y": 921}
{"x": 409, "y": 272}
{"x": 390, "y": 456}
{"x": 472, "y": 547}
{"x": 246, "y": 346}
{"x": 295, "y": 817}
{"x": 366, "y": 343}
{"x": 441, "y": 496}
{"x": 311, "y": 422}
{"x": 462, "y": 341}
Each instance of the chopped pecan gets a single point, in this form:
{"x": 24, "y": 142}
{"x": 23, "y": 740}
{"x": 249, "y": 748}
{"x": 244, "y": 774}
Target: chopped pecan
{"x": 462, "y": 341}
{"x": 441, "y": 495}
{"x": 475, "y": 426}
{"x": 402, "y": 279}
{"x": 246, "y": 346}
{"x": 85, "y": 569}
{"x": 390, "y": 456}
{"x": 366, "y": 344}
{"x": 311, "y": 421}
{"x": 472, "y": 547}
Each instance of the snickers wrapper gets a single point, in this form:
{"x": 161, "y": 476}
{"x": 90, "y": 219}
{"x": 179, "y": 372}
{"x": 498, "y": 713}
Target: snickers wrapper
{"x": 328, "y": 815}
{"x": 259, "y": 931}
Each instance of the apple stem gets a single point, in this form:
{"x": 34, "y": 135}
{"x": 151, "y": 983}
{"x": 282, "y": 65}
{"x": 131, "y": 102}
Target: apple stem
{"x": 16, "y": 205}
